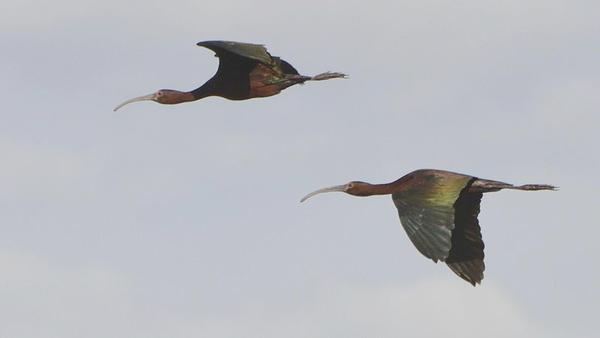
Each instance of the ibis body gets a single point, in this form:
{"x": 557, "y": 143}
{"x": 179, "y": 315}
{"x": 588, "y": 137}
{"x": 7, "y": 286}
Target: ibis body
{"x": 245, "y": 71}
{"x": 438, "y": 209}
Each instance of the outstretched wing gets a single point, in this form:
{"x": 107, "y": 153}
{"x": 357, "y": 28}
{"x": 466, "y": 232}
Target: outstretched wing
{"x": 466, "y": 254}
{"x": 240, "y": 50}
{"x": 426, "y": 210}
{"x": 440, "y": 218}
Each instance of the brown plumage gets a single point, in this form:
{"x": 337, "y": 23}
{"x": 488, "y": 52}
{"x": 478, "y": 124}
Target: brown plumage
{"x": 438, "y": 210}
{"x": 245, "y": 71}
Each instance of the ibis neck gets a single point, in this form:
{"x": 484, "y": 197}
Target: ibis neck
{"x": 378, "y": 189}
{"x": 206, "y": 90}
{"x": 186, "y": 97}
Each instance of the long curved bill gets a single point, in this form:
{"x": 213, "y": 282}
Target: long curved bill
{"x": 148, "y": 97}
{"x": 339, "y": 188}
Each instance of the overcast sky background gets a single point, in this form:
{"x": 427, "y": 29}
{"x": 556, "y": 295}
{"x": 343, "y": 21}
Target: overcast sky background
{"x": 184, "y": 221}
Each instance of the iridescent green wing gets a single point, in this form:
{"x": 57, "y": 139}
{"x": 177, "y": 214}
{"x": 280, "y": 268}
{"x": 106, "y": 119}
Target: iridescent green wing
{"x": 426, "y": 209}
{"x": 228, "y": 49}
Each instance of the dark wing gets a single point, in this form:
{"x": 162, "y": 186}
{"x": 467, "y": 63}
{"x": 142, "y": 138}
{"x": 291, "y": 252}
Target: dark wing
{"x": 466, "y": 254}
{"x": 242, "y": 50}
{"x": 426, "y": 210}
{"x": 286, "y": 68}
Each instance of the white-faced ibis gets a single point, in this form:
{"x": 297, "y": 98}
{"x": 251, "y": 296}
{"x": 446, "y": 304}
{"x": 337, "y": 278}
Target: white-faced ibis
{"x": 245, "y": 71}
{"x": 438, "y": 209}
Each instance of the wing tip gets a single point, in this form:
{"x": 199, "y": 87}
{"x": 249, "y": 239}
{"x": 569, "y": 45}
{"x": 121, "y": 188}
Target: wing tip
{"x": 471, "y": 271}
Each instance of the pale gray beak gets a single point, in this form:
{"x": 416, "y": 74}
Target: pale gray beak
{"x": 339, "y": 188}
{"x": 149, "y": 97}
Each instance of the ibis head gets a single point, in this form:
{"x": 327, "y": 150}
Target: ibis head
{"x": 356, "y": 188}
{"x": 164, "y": 96}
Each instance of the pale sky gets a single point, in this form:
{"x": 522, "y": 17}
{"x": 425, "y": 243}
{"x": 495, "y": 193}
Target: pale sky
{"x": 184, "y": 221}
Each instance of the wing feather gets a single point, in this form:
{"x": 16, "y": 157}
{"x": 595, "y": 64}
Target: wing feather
{"x": 239, "y": 49}
{"x": 439, "y": 215}
{"x": 466, "y": 255}
{"x": 426, "y": 210}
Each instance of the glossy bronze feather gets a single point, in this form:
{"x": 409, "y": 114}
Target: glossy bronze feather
{"x": 245, "y": 71}
{"x": 438, "y": 209}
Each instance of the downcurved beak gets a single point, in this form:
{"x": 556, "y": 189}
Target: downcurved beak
{"x": 149, "y": 97}
{"x": 339, "y": 188}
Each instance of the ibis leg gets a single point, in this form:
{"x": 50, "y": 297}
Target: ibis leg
{"x": 482, "y": 185}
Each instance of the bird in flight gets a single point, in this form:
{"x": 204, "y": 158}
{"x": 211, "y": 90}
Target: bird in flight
{"x": 438, "y": 209}
{"x": 245, "y": 71}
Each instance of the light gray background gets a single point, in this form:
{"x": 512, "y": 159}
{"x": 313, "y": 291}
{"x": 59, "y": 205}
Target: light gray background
{"x": 184, "y": 221}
